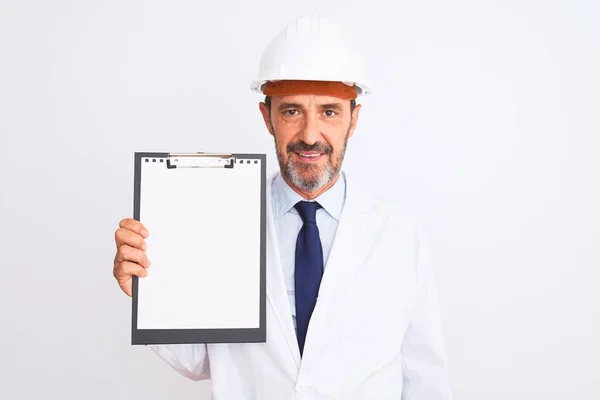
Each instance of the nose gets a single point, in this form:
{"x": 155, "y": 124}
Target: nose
{"x": 310, "y": 130}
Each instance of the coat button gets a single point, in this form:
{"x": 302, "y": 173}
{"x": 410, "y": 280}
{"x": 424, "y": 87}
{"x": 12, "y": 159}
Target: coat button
{"x": 299, "y": 388}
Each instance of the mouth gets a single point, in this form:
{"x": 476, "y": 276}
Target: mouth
{"x": 309, "y": 156}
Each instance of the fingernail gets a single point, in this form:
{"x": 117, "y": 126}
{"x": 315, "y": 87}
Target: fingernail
{"x": 144, "y": 246}
{"x": 145, "y": 233}
{"x": 145, "y": 274}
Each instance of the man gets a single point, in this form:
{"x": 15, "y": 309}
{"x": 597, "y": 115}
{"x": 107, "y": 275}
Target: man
{"x": 352, "y": 309}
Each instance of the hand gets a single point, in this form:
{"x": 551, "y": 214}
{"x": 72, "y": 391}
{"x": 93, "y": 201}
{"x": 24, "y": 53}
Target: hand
{"x": 131, "y": 256}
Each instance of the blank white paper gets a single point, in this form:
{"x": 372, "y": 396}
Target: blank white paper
{"x": 204, "y": 246}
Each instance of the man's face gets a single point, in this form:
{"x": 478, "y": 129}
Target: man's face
{"x": 310, "y": 133}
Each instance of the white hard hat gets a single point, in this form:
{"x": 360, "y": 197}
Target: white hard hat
{"x": 315, "y": 49}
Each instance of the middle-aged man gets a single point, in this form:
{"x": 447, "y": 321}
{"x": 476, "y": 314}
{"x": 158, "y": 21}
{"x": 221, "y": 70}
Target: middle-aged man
{"x": 352, "y": 310}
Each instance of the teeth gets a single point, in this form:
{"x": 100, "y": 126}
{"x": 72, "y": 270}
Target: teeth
{"x": 309, "y": 155}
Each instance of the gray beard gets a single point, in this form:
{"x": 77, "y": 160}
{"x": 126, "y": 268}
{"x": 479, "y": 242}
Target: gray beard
{"x": 295, "y": 174}
{"x": 312, "y": 184}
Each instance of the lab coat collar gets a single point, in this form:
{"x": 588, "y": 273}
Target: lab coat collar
{"x": 354, "y": 236}
{"x": 358, "y": 229}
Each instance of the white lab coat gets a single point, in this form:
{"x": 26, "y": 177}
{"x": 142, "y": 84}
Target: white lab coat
{"x": 374, "y": 334}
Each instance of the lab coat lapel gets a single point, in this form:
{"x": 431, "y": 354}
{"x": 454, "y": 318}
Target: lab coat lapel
{"x": 355, "y": 236}
{"x": 276, "y": 289}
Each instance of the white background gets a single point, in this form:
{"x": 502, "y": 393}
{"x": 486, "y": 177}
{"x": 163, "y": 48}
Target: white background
{"x": 484, "y": 118}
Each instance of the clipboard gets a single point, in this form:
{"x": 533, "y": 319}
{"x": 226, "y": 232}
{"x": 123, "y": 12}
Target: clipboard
{"x": 206, "y": 217}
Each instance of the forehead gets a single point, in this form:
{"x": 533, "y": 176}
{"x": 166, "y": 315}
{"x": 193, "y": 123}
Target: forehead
{"x": 308, "y": 100}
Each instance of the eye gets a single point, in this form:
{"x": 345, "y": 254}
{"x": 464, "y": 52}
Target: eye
{"x": 330, "y": 113}
{"x": 291, "y": 112}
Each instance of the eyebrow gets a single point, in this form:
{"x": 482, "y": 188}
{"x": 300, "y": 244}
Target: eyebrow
{"x": 327, "y": 106}
{"x": 285, "y": 106}
{"x": 331, "y": 106}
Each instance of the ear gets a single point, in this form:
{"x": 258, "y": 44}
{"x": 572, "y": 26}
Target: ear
{"x": 264, "y": 110}
{"x": 354, "y": 120}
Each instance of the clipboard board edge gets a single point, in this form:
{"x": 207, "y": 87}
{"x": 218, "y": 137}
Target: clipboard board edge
{"x": 183, "y": 336}
{"x": 190, "y": 336}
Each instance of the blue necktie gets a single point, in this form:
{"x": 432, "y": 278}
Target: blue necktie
{"x": 309, "y": 268}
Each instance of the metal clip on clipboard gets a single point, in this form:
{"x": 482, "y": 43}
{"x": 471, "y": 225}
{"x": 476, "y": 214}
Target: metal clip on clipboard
{"x": 200, "y": 160}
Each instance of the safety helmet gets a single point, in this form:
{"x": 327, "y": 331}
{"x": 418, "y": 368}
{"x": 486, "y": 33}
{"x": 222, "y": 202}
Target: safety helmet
{"x": 311, "y": 48}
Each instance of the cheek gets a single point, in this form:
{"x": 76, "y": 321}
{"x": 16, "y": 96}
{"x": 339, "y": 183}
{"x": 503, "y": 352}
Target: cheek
{"x": 336, "y": 141}
{"x": 281, "y": 143}
{"x": 283, "y": 135}
{"x": 335, "y": 134}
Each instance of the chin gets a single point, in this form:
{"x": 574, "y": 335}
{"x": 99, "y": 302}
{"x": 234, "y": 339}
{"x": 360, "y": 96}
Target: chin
{"x": 309, "y": 179}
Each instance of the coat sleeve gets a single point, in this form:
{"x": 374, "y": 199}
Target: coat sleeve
{"x": 423, "y": 353}
{"x": 190, "y": 360}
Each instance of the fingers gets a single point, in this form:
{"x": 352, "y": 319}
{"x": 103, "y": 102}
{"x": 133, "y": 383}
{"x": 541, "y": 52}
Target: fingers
{"x": 134, "y": 226}
{"x": 127, "y": 269}
{"x": 124, "y": 271}
{"x": 131, "y": 259}
{"x": 129, "y": 253}
{"x": 124, "y": 236}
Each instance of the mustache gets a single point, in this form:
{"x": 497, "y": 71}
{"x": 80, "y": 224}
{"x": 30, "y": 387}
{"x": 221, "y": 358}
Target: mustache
{"x": 301, "y": 146}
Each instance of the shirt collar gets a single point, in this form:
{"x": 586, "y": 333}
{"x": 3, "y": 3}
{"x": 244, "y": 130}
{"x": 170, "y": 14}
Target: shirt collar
{"x": 285, "y": 198}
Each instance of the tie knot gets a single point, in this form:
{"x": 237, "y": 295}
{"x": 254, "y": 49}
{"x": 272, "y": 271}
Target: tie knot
{"x": 308, "y": 211}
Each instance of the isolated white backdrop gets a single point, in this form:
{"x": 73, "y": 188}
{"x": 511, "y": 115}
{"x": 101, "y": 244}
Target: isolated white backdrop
{"x": 484, "y": 119}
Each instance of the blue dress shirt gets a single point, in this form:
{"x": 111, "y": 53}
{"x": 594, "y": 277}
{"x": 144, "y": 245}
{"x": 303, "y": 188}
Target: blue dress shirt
{"x": 288, "y": 224}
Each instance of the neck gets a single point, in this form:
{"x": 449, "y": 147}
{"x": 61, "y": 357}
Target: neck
{"x": 316, "y": 193}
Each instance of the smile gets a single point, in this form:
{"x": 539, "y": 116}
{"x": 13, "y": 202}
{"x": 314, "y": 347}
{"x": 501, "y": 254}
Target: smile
{"x": 309, "y": 157}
